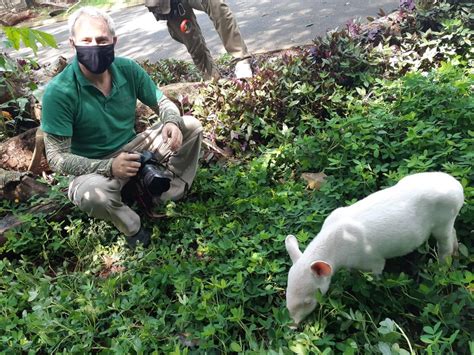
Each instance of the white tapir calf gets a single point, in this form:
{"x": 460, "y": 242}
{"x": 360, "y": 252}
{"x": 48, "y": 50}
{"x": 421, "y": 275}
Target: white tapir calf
{"x": 386, "y": 224}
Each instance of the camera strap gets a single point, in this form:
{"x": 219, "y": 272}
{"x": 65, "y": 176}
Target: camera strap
{"x": 176, "y": 176}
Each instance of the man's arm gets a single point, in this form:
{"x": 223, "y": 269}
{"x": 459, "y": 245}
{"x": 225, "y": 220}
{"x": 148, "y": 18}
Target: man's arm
{"x": 61, "y": 160}
{"x": 149, "y": 94}
{"x": 167, "y": 111}
{"x": 153, "y": 97}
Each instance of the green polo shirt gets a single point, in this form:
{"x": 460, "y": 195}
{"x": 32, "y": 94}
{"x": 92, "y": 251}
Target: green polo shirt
{"x": 98, "y": 125}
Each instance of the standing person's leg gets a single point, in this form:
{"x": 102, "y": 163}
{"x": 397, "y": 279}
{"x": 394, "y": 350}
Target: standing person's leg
{"x": 225, "y": 25}
{"x": 194, "y": 42}
{"x": 229, "y": 32}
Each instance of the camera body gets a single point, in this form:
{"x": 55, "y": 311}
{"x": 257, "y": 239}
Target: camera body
{"x": 152, "y": 175}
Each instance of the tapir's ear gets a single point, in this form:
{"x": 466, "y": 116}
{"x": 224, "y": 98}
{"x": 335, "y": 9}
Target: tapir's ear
{"x": 292, "y": 247}
{"x": 321, "y": 268}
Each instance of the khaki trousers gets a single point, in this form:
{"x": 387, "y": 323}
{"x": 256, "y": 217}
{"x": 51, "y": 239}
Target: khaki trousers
{"x": 226, "y": 26}
{"x": 100, "y": 197}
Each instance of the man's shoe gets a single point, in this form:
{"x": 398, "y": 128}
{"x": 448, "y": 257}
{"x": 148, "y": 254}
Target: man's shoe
{"x": 243, "y": 70}
{"x": 142, "y": 236}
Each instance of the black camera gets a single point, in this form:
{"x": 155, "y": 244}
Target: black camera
{"x": 152, "y": 174}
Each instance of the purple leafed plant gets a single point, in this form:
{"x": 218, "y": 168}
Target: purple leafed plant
{"x": 353, "y": 28}
{"x": 407, "y": 5}
{"x": 373, "y": 34}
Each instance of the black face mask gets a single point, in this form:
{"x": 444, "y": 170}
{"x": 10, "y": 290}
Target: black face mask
{"x": 96, "y": 59}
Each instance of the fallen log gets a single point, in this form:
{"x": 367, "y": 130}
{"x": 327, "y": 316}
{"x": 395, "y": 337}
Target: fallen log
{"x": 50, "y": 210}
{"x": 9, "y": 18}
{"x": 16, "y": 153}
{"x": 182, "y": 93}
{"x": 38, "y": 160}
{"x": 54, "y": 4}
{"x": 20, "y": 186}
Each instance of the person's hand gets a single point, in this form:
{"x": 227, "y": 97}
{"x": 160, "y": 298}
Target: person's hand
{"x": 125, "y": 165}
{"x": 172, "y": 135}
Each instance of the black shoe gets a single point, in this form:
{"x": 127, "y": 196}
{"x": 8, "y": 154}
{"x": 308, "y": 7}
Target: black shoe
{"x": 142, "y": 236}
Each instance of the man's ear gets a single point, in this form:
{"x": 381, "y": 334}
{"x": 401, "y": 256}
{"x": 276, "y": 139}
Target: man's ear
{"x": 321, "y": 268}
{"x": 71, "y": 42}
{"x": 115, "y": 40}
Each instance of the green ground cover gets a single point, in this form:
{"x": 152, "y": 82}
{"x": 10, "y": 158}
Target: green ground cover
{"x": 366, "y": 106}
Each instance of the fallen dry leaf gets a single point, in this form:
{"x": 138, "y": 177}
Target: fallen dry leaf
{"x": 110, "y": 267}
{"x": 314, "y": 180}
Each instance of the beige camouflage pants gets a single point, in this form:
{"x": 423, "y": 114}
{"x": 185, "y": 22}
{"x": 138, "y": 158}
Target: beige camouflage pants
{"x": 226, "y": 26}
{"x": 100, "y": 197}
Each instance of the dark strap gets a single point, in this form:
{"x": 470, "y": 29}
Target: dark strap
{"x": 177, "y": 11}
{"x": 134, "y": 192}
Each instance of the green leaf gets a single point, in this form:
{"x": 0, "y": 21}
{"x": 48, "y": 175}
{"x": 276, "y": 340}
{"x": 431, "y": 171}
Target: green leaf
{"x": 208, "y": 331}
{"x": 298, "y": 348}
{"x": 463, "y": 250}
{"x": 13, "y": 35}
{"x": 427, "y": 329}
{"x": 32, "y": 295}
{"x": 46, "y": 39}
{"x": 29, "y": 37}
{"x": 426, "y": 339}
{"x": 384, "y": 348}
{"x": 361, "y": 91}
{"x": 235, "y": 347}
{"x": 387, "y": 326}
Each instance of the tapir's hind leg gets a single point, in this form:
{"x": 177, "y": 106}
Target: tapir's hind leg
{"x": 455, "y": 243}
{"x": 377, "y": 267}
{"x": 447, "y": 241}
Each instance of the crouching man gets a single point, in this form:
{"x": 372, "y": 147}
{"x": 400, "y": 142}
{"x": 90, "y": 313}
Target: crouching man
{"x": 88, "y": 118}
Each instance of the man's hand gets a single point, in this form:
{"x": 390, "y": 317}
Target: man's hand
{"x": 172, "y": 135}
{"x": 125, "y": 165}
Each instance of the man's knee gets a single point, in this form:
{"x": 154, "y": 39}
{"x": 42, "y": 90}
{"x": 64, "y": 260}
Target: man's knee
{"x": 100, "y": 198}
{"x": 192, "y": 124}
{"x": 96, "y": 196}
{"x": 94, "y": 201}
{"x": 212, "y": 7}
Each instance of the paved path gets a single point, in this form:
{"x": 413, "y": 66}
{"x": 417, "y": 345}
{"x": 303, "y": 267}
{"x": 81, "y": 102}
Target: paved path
{"x": 265, "y": 25}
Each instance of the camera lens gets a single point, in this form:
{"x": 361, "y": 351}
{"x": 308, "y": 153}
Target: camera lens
{"x": 154, "y": 180}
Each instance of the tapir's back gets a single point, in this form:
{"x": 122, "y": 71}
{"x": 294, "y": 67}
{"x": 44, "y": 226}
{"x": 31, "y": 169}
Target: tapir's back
{"x": 414, "y": 192}
{"x": 400, "y": 218}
